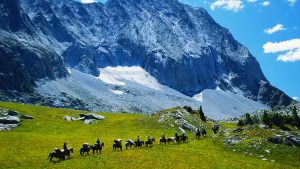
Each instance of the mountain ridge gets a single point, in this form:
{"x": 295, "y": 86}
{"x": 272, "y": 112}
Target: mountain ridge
{"x": 181, "y": 46}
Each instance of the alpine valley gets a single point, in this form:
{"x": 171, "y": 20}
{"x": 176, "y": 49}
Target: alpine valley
{"x": 127, "y": 55}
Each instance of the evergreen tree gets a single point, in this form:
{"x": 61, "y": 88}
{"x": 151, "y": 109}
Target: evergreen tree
{"x": 201, "y": 114}
{"x": 248, "y": 119}
{"x": 296, "y": 117}
{"x": 266, "y": 118}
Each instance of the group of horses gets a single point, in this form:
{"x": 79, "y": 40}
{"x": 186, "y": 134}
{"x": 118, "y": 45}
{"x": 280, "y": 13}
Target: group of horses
{"x": 117, "y": 144}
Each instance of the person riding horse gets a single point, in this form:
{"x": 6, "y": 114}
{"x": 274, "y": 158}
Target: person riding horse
{"x": 163, "y": 139}
{"x": 198, "y": 133}
{"x": 65, "y": 148}
{"x": 203, "y": 132}
{"x": 149, "y": 139}
{"x": 98, "y": 143}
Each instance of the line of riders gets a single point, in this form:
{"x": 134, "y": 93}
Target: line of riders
{"x": 117, "y": 144}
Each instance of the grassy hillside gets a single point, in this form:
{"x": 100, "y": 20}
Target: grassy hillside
{"x": 28, "y": 145}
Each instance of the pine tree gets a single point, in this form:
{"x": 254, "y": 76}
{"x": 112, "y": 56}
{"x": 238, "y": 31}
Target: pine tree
{"x": 266, "y": 118}
{"x": 296, "y": 117}
{"x": 249, "y": 119}
{"x": 201, "y": 114}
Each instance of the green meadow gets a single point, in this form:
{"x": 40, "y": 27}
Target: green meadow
{"x": 28, "y": 145}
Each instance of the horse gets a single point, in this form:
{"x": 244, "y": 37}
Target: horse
{"x": 162, "y": 141}
{"x": 85, "y": 149}
{"x": 139, "y": 144}
{"x": 68, "y": 151}
{"x": 129, "y": 143}
{"x": 149, "y": 142}
{"x": 97, "y": 147}
{"x": 183, "y": 138}
{"x": 171, "y": 139}
{"x": 215, "y": 128}
{"x": 117, "y": 144}
{"x": 203, "y": 132}
{"x": 198, "y": 134}
{"x": 177, "y": 139}
{"x": 57, "y": 153}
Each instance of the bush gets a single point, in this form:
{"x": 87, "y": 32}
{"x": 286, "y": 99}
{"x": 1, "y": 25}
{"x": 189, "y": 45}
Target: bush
{"x": 201, "y": 114}
{"x": 241, "y": 122}
{"x": 188, "y": 109}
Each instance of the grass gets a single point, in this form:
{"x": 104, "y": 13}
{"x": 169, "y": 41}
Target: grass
{"x": 28, "y": 145}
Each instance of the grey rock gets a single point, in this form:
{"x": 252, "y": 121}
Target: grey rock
{"x": 292, "y": 140}
{"x": 231, "y": 141}
{"x": 92, "y": 116}
{"x": 236, "y": 130}
{"x": 26, "y": 117}
{"x": 88, "y": 121}
{"x": 68, "y": 118}
{"x": 9, "y": 120}
{"x": 13, "y": 113}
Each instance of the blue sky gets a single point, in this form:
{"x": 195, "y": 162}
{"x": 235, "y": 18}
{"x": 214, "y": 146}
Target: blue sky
{"x": 270, "y": 29}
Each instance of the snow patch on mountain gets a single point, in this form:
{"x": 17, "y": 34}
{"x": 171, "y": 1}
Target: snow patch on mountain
{"x": 132, "y": 89}
{"x": 122, "y": 75}
{"x": 227, "y": 102}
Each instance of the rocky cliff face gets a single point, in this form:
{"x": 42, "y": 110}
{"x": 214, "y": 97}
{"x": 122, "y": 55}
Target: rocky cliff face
{"x": 181, "y": 46}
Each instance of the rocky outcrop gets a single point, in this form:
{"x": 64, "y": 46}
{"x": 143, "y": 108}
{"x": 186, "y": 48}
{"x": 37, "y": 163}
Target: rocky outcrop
{"x": 10, "y": 119}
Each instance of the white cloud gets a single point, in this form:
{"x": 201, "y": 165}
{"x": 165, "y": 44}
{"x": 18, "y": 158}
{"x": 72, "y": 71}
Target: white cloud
{"x": 266, "y": 3}
{"x": 292, "y": 2}
{"x": 290, "y": 49}
{"x": 252, "y": 1}
{"x": 87, "y": 1}
{"x": 231, "y": 5}
{"x": 276, "y": 28}
{"x": 295, "y": 98}
{"x": 290, "y": 56}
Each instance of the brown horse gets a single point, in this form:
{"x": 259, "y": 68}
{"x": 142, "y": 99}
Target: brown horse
{"x": 97, "y": 147}
{"x": 57, "y": 153}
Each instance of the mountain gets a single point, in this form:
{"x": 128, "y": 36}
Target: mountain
{"x": 179, "y": 47}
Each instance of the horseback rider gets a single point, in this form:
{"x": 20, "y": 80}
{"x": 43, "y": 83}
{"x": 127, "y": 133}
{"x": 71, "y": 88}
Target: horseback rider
{"x": 176, "y": 137}
{"x": 138, "y": 139}
{"x": 149, "y": 139}
{"x": 65, "y": 146}
{"x": 98, "y": 141}
{"x": 198, "y": 131}
{"x": 163, "y": 136}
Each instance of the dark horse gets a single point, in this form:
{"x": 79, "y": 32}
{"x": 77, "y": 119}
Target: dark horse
{"x": 215, "y": 128}
{"x": 183, "y": 138}
{"x": 139, "y": 144}
{"x": 198, "y": 134}
{"x": 97, "y": 147}
{"x": 57, "y": 153}
{"x": 85, "y": 149}
{"x": 117, "y": 144}
{"x": 150, "y": 142}
{"x": 203, "y": 132}
{"x": 163, "y": 141}
{"x": 171, "y": 139}
{"x": 129, "y": 143}
{"x": 68, "y": 152}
